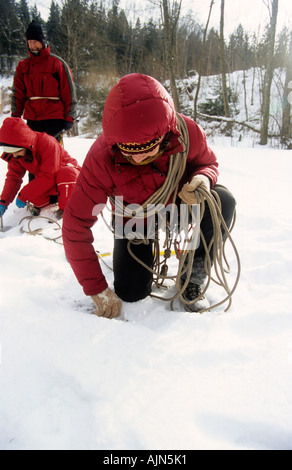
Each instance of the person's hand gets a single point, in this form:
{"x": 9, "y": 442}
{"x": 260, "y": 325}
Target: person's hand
{"x": 20, "y": 204}
{"x": 187, "y": 194}
{"x": 108, "y": 304}
{"x": 3, "y": 209}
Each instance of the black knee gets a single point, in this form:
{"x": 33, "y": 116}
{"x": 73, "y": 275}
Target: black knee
{"x": 228, "y": 203}
{"x": 132, "y": 281}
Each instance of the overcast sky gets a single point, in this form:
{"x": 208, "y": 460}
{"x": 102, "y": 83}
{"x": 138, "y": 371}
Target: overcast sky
{"x": 252, "y": 14}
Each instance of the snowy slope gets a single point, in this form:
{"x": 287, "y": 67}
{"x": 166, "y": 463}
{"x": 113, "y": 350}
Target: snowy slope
{"x": 155, "y": 379}
{"x": 245, "y": 85}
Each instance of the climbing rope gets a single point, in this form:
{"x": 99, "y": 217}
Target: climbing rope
{"x": 40, "y": 231}
{"x": 186, "y": 257}
{"x": 215, "y": 255}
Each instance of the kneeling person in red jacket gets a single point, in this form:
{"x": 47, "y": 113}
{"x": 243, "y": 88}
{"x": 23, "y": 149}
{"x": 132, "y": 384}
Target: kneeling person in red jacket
{"x": 142, "y": 136}
{"x": 41, "y": 155}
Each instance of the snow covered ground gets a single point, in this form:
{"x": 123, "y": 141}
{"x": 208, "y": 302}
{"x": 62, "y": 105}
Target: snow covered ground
{"x": 154, "y": 379}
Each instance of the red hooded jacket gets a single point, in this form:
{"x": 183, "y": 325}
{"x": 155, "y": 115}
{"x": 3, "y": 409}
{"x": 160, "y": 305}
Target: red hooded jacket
{"x": 48, "y": 158}
{"x": 44, "y": 76}
{"x": 138, "y": 109}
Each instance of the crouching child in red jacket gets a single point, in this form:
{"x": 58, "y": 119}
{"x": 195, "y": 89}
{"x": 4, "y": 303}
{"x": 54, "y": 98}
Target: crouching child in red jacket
{"x": 41, "y": 155}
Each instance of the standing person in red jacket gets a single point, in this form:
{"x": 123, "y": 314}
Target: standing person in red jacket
{"x": 55, "y": 172}
{"x": 131, "y": 159}
{"x": 43, "y": 88}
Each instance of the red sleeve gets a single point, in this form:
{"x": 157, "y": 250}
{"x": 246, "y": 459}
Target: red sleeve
{"x": 93, "y": 187}
{"x": 18, "y": 93}
{"x": 13, "y": 181}
{"x": 68, "y": 91}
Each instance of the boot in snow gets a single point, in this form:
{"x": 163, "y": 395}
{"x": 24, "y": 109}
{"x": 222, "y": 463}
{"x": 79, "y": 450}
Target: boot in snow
{"x": 195, "y": 287}
{"x": 36, "y": 211}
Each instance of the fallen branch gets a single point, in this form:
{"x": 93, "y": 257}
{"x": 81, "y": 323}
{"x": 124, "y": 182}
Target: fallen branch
{"x": 234, "y": 121}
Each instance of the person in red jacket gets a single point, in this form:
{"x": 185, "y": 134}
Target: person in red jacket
{"x": 43, "y": 88}
{"x": 131, "y": 160}
{"x": 55, "y": 172}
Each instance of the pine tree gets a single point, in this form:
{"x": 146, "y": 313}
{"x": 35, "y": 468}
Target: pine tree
{"x": 23, "y": 13}
{"x": 54, "y": 30}
{"x": 35, "y": 15}
{"x": 11, "y": 32}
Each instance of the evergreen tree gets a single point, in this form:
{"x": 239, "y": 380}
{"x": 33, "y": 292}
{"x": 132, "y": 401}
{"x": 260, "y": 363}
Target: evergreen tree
{"x": 239, "y": 50}
{"x": 23, "y": 13}
{"x": 11, "y": 31}
{"x": 35, "y": 15}
{"x": 114, "y": 32}
{"x": 54, "y": 30}
{"x": 75, "y": 29}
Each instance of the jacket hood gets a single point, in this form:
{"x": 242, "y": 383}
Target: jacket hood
{"x": 138, "y": 109}
{"x": 15, "y": 132}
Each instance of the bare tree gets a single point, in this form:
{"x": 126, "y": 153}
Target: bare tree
{"x": 170, "y": 19}
{"x": 286, "y": 131}
{"x": 223, "y": 61}
{"x": 170, "y": 14}
{"x": 201, "y": 59}
{"x": 269, "y": 72}
{"x": 70, "y": 23}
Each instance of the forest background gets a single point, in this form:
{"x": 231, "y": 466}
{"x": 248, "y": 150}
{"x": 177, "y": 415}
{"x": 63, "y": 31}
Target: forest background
{"x": 101, "y": 42}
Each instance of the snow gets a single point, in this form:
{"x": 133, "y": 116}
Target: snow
{"x": 154, "y": 379}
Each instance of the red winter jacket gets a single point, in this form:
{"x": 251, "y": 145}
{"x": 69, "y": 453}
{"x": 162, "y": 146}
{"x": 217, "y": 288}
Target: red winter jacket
{"x": 138, "y": 109}
{"x": 44, "y": 76}
{"x": 48, "y": 158}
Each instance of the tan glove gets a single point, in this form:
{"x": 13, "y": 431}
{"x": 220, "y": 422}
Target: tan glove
{"x": 108, "y": 304}
{"x": 187, "y": 194}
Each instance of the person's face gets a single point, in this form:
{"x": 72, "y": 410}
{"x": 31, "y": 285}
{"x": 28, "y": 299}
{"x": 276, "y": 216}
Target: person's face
{"x": 140, "y": 157}
{"x": 34, "y": 46}
{"x": 20, "y": 153}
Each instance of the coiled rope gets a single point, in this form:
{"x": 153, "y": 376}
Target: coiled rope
{"x": 186, "y": 257}
{"x": 39, "y": 231}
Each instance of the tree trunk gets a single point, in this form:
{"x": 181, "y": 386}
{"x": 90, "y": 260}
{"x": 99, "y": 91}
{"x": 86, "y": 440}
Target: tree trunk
{"x": 223, "y": 62}
{"x": 245, "y": 95}
{"x": 169, "y": 34}
{"x": 286, "y": 131}
{"x": 269, "y": 75}
{"x": 201, "y": 60}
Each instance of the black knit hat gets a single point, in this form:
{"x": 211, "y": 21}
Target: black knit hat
{"x": 35, "y": 32}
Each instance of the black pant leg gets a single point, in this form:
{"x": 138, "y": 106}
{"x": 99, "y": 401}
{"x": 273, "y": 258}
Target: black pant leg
{"x": 53, "y": 127}
{"x": 132, "y": 281}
